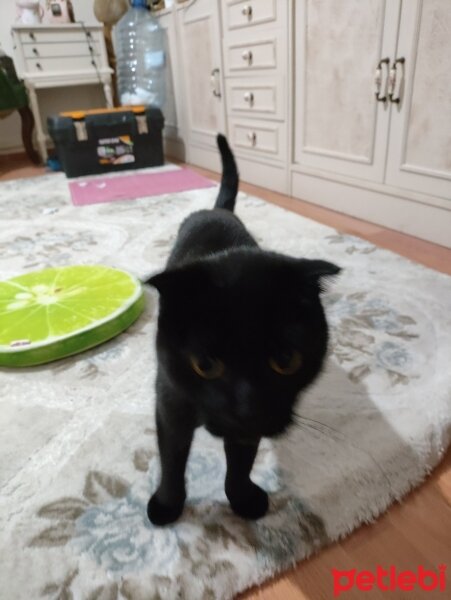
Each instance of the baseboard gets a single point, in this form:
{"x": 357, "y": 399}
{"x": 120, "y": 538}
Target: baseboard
{"x": 424, "y": 221}
{"x": 269, "y": 176}
{"x": 207, "y": 158}
{"x": 174, "y": 148}
{"x": 13, "y": 153}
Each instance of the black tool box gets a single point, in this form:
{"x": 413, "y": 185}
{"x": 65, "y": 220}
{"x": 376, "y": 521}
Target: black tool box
{"x": 108, "y": 140}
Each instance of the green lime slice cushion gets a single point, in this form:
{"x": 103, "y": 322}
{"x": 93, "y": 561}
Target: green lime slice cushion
{"x": 49, "y": 314}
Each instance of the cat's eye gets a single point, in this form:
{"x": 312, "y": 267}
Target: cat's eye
{"x": 286, "y": 363}
{"x": 206, "y": 367}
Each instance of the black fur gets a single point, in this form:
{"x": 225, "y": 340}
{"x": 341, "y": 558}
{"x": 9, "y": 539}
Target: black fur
{"x": 229, "y": 183}
{"x": 223, "y": 298}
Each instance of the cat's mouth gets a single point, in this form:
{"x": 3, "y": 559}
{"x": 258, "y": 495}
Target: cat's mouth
{"x": 242, "y": 432}
{"x": 276, "y": 432}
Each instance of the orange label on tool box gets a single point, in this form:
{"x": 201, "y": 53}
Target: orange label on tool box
{"x": 115, "y": 150}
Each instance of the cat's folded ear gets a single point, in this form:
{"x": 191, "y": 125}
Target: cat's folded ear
{"x": 315, "y": 271}
{"x": 173, "y": 282}
{"x": 158, "y": 281}
{"x": 166, "y": 281}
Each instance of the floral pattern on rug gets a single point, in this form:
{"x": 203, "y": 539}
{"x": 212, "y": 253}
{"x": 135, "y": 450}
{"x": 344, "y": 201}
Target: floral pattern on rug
{"x": 369, "y": 335}
{"x": 108, "y": 523}
{"x": 78, "y": 458}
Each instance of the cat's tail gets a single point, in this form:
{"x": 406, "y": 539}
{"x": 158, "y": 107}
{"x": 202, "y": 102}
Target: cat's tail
{"x": 230, "y": 177}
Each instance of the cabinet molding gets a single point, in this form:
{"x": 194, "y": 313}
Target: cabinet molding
{"x": 402, "y": 214}
{"x": 343, "y": 104}
{"x": 419, "y": 151}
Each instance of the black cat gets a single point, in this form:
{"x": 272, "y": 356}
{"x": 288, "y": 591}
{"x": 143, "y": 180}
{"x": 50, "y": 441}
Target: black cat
{"x": 241, "y": 331}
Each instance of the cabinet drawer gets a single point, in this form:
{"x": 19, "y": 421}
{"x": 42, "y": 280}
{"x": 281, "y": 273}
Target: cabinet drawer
{"x": 58, "y": 50}
{"x": 259, "y": 137}
{"x": 261, "y": 97}
{"x": 255, "y": 52}
{"x": 63, "y": 63}
{"x": 252, "y": 55}
{"x": 242, "y": 13}
{"x": 47, "y": 36}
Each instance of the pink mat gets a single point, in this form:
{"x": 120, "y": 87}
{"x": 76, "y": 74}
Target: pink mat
{"x": 135, "y": 185}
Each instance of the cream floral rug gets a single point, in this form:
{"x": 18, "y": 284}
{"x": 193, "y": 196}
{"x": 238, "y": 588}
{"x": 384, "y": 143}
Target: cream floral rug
{"x": 77, "y": 440}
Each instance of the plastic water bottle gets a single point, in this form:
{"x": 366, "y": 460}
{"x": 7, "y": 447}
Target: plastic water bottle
{"x": 140, "y": 45}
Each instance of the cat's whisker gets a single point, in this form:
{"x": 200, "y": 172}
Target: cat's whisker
{"x": 321, "y": 424}
{"x": 374, "y": 410}
{"x": 310, "y": 463}
{"x": 305, "y": 423}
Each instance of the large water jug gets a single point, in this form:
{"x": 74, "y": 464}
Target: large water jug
{"x": 140, "y": 45}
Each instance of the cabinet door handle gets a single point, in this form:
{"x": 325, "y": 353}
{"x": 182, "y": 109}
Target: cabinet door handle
{"x": 252, "y": 137}
{"x": 247, "y": 56}
{"x": 249, "y": 98}
{"x": 393, "y": 80}
{"x": 214, "y": 81}
{"x": 380, "y": 84}
{"x": 247, "y": 11}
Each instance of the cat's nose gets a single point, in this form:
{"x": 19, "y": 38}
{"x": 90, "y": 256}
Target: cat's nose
{"x": 246, "y": 401}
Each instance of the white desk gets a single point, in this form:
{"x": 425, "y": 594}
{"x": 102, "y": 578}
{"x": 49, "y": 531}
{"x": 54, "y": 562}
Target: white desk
{"x": 49, "y": 56}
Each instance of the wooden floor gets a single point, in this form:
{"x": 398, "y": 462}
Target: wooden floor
{"x": 415, "y": 532}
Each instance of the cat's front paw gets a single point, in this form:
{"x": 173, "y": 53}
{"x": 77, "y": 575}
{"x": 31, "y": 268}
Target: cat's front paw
{"x": 250, "y": 503}
{"x": 162, "y": 514}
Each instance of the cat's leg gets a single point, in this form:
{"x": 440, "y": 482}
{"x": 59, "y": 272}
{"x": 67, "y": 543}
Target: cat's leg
{"x": 174, "y": 441}
{"x": 246, "y": 498}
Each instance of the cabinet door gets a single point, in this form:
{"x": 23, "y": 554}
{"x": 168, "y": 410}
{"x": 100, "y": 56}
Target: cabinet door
{"x": 172, "y": 109}
{"x": 201, "y": 66}
{"x": 340, "y": 126}
{"x": 419, "y": 155}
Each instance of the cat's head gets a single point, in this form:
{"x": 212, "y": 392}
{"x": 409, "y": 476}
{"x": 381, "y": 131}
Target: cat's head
{"x": 241, "y": 334}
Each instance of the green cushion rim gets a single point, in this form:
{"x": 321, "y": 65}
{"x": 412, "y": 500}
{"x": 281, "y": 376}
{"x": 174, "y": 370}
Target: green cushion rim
{"x": 77, "y": 343}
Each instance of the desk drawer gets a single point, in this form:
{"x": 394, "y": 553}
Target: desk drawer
{"x": 59, "y": 50}
{"x": 255, "y": 54}
{"x": 245, "y": 13}
{"x": 259, "y": 137}
{"x": 59, "y": 36}
{"x": 256, "y": 97}
{"x": 63, "y": 63}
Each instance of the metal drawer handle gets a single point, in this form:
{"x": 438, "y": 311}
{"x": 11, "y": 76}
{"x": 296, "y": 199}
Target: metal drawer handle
{"x": 215, "y": 83}
{"x": 393, "y": 78}
{"x": 378, "y": 80}
{"x": 39, "y": 66}
{"x": 247, "y": 56}
{"x": 35, "y": 52}
{"x": 252, "y": 137}
{"x": 31, "y": 35}
{"x": 247, "y": 11}
{"x": 249, "y": 98}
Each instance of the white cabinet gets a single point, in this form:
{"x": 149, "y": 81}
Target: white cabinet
{"x": 173, "y": 109}
{"x": 372, "y": 111}
{"x": 255, "y": 49}
{"x": 419, "y": 150}
{"x": 344, "y": 104}
{"x": 342, "y": 122}
{"x": 339, "y": 123}
{"x": 51, "y": 56}
{"x": 199, "y": 34}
